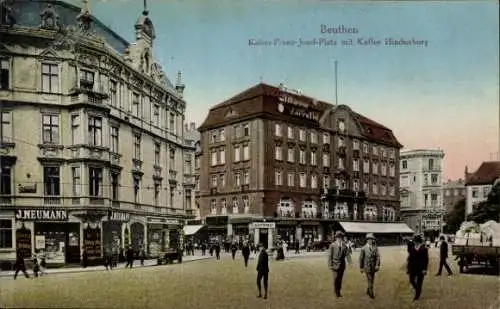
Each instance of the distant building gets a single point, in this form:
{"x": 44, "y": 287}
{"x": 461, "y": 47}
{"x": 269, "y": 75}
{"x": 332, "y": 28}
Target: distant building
{"x": 421, "y": 182}
{"x": 480, "y": 182}
{"x": 453, "y": 192}
{"x": 192, "y": 169}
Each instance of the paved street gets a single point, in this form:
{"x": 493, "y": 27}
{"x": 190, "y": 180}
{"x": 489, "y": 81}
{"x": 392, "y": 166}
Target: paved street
{"x": 295, "y": 283}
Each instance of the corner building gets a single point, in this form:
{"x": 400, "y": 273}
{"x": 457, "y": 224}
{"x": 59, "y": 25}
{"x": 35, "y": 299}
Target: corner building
{"x": 277, "y": 163}
{"x": 92, "y": 145}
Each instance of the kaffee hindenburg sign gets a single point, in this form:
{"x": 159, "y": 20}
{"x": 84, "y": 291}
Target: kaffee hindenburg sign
{"x": 41, "y": 215}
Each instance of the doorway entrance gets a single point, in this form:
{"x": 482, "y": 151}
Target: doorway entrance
{"x": 263, "y": 237}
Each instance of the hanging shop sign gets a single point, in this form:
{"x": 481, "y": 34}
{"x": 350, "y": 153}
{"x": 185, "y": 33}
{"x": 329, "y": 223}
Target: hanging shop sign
{"x": 264, "y": 225}
{"x": 119, "y": 216}
{"x": 41, "y": 215}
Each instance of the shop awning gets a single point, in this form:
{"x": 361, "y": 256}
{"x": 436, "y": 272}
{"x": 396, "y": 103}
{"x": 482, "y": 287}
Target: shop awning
{"x": 191, "y": 229}
{"x": 376, "y": 228}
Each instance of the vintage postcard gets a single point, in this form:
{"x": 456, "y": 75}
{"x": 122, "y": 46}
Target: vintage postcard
{"x": 249, "y": 154}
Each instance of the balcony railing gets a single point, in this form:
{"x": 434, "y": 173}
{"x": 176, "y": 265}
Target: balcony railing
{"x": 52, "y": 200}
{"x": 5, "y": 200}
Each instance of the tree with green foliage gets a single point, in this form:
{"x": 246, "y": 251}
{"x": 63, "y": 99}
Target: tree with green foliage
{"x": 489, "y": 209}
{"x": 455, "y": 217}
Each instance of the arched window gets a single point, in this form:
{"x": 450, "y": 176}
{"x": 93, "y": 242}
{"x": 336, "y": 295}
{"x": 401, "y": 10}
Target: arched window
{"x": 286, "y": 208}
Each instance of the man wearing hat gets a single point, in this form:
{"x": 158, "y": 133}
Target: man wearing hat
{"x": 369, "y": 262}
{"x": 262, "y": 270}
{"x": 338, "y": 254}
{"x": 418, "y": 261}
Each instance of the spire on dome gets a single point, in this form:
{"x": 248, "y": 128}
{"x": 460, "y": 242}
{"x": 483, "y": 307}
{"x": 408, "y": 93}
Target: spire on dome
{"x": 145, "y": 12}
{"x": 84, "y": 19}
{"x": 179, "y": 86}
{"x": 144, "y": 28}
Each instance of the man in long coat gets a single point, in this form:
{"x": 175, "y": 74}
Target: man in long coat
{"x": 443, "y": 255}
{"x": 262, "y": 270}
{"x": 418, "y": 262}
{"x": 337, "y": 256}
{"x": 369, "y": 262}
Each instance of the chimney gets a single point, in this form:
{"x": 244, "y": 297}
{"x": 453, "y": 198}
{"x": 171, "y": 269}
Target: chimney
{"x": 193, "y": 126}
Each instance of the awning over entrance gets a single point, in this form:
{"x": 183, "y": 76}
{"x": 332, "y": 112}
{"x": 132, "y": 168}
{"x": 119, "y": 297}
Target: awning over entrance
{"x": 191, "y": 229}
{"x": 377, "y": 228}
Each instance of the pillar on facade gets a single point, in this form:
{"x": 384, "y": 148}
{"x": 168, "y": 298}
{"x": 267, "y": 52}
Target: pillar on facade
{"x": 298, "y": 233}
{"x": 321, "y": 232}
{"x": 256, "y": 237}
{"x": 230, "y": 231}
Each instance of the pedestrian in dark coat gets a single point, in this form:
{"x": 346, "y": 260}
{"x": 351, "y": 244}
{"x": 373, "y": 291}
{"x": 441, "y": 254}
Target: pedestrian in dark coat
{"x": 297, "y": 247}
{"x": 142, "y": 256}
{"x": 203, "y": 248}
{"x": 418, "y": 262}
{"x": 369, "y": 262}
{"x": 262, "y": 271}
{"x": 443, "y": 255}
{"x": 217, "y": 250}
{"x": 36, "y": 265}
{"x": 234, "y": 248}
{"x": 212, "y": 248}
{"x": 20, "y": 266}
{"x": 245, "y": 251}
{"x": 85, "y": 259}
{"x": 337, "y": 257}
{"x": 129, "y": 256}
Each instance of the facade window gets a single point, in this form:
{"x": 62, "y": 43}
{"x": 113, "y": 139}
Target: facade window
{"x": 278, "y": 178}
{"x": 236, "y": 132}
{"x": 172, "y": 158}
{"x": 356, "y": 185}
{"x": 6, "y": 127}
{"x": 326, "y": 181}
{"x": 448, "y": 192}
{"x": 115, "y": 135}
{"x": 431, "y": 164}
{"x": 302, "y": 135}
{"x": 384, "y": 189}
{"x": 375, "y": 188}
{"x": 5, "y": 180}
{"x": 302, "y": 156}
{"x": 278, "y": 153}
{"x": 326, "y": 138}
{"x": 404, "y": 164}
{"x": 355, "y": 144}
{"x": 278, "y": 130}
{"x": 235, "y": 205}
{"x": 365, "y": 148}
{"x": 213, "y": 207}
{"x": 366, "y": 166}
{"x": 172, "y": 123}
{"x": 434, "y": 200}
{"x": 246, "y": 204}
{"x": 246, "y": 130}
{"x": 291, "y": 155}
{"x": 237, "y": 179}
{"x": 341, "y": 125}
{"x": 156, "y": 115}
{"x": 222, "y": 135}
{"x": 375, "y": 168}
{"x": 157, "y": 154}
{"x": 246, "y": 177}
{"x": 434, "y": 179}
{"x": 137, "y": 146}
{"x": 314, "y": 181}
{"x": 6, "y": 234}
{"x": 355, "y": 165}
{"x": 51, "y": 181}
{"x": 189, "y": 165}
{"x": 213, "y": 137}
{"x": 4, "y": 74}
{"x": 223, "y": 206}
{"x": 291, "y": 179}
{"x": 50, "y": 78}
{"x": 341, "y": 163}
{"x": 383, "y": 152}
{"x": 222, "y": 179}
{"x": 75, "y": 129}
{"x": 290, "y": 132}
{"x": 392, "y": 170}
{"x": 384, "y": 169}
{"x": 214, "y": 157}
{"x": 246, "y": 153}
{"x": 302, "y": 180}
{"x": 314, "y": 158}
{"x": 341, "y": 142}
{"x": 157, "y": 194}
{"x": 475, "y": 192}
{"x": 50, "y": 129}
{"x": 87, "y": 79}
{"x": 95, "y": 131}
{"x": 214, "y": 181}
{"x": 115, "y": 186}
{"x": 314, "y": 138}
{"x": 136, "y": 105}
{"x": 375, "y": 150}
{"x": 77, "y": 180}
{"x": 95, "y": 181}
{"x": 113, "y": 93}
{"x": 392, "y": 190}
{"x": 365, "y": 186}
{"x": 137, "y": 189}
{"x": 222, "y": 156}
{"x": 326, "y": 159}
{"x": 486, "y": 191}
{"x": 237, "y": 154}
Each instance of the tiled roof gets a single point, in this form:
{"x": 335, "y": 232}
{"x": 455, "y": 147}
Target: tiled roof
{"x": 486, "y": 174}
{"x": 252, "y": 101}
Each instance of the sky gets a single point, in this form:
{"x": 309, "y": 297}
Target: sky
{"x": 444, "y": 95}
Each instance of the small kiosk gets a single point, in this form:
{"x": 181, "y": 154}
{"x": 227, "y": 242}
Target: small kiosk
{"x": 263, "y": 233}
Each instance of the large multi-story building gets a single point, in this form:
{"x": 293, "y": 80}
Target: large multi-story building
{"x": 192, "y": 138}
{"x": 421, "y": 181}
{"x": 453, "y": 192}
{"x": 296, "y": 164}
{"x": 479, "y": 183}
{"x": 92, "y": 146}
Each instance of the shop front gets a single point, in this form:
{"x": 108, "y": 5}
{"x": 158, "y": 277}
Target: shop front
{"x": 217, "y": 227}
{"x": 264, "y": 233}
{"x": 312, "y": 232}
{"x": 137, "y": 237}
{"x": 53, "y": 235}
{"x": 112, "y": 230}
{"x": 92, "y": 244}
{"x": 157, "y": 232}
{"x": 286, "y": 230}
{"x": 240, "y": 228}
{"x": 175, "y": 234}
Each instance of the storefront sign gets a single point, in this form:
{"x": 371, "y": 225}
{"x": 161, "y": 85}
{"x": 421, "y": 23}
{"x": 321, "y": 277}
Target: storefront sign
{"x": 263, "y": 225}
{"x": 92, "y": 242}
{"x": 119, "y": 216}
{"x": 171, "y": 222}
{"x": 299, "y": 112}
{"x": 27, "y": 188}
{"x": 23, "y": 241}
{"x": 42, "y": 215}
{"x": 39, "y": 242}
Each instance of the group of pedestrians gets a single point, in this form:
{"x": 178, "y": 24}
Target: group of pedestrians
{"x": 39, "y": 265}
